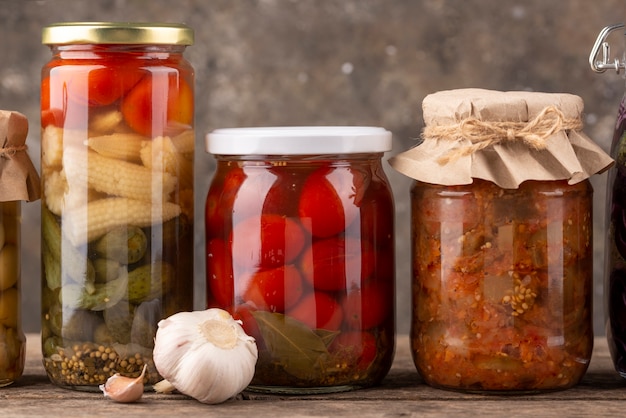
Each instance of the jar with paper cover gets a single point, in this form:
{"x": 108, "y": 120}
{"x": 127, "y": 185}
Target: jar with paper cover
{"x": 501, "y": 221}
{"x": 117, "y": 147}
{"x": 19, "y": 182}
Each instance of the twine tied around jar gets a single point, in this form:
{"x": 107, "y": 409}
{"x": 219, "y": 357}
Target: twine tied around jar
{"x": 483, "y": 134}
{"x": 9, "y": 151}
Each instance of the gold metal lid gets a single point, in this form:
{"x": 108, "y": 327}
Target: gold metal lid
{"x": 117, "y": 33}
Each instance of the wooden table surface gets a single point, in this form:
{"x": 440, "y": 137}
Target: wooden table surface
{"x": 401, "y": 394}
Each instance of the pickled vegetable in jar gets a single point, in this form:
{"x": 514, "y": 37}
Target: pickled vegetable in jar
{"x": 117, "y": 147}
{"x": 18, "y": 181}
{"x": 615, "y": 243}
{"x": 300, "y": 247}
{"x": 501, "y": 240}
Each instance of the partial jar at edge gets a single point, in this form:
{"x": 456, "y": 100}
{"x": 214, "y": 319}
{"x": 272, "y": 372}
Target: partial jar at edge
{"x": 301, "y": 248}
{"x": 502, "y": 285}
{"x": 117, "y": 151}
{"x": 12, "y": 338}
{"x": 615, "y": 256}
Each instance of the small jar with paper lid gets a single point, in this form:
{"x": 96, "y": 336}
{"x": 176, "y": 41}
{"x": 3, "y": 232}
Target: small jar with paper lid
{"x": 501, "y": 221}
{"x": 19, "y": 181}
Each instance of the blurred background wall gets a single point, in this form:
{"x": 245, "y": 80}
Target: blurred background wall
{"x": 336, "y": 62}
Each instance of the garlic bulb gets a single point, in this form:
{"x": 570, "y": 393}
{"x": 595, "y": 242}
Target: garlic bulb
{"x": 124, "y": 389}
{"x": 205, "y": 354}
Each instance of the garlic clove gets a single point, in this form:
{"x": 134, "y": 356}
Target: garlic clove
{"x": 124, "y": 389}
{"x": 163, "y": 386}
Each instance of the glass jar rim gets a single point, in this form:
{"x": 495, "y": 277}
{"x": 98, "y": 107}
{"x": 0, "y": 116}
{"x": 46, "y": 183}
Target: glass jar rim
{"x": 298, "y": 140}
{"x": 117, "y": 33}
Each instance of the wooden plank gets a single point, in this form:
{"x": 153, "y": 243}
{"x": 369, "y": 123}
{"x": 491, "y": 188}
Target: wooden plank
{"x": 402, "y": 393}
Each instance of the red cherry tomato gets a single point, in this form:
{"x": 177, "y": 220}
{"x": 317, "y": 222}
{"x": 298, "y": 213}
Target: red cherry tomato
{"x": 330, "y": 200}
{"x": 266, "y": 241}
{"x": 220, "y": 201}
{"x": 253, "y": 192}
{"x": 219, "y": 275}
{"x": 282, "y": 198}
{"x": 61, "y": 105}
{"x": 160, "y": 102}
{"x": 337, "y": 263}
{"x": 318, "y": 310}
{"x": 52, "y": 117}
{"x": 103, "y": 84}
{"x": 274, "y": 290}
{"x": 367, "y": 307}
{"x": 376, "y": 220}
{"x": 354, "y": 348}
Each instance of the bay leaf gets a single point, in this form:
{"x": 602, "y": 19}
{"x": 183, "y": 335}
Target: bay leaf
{"x": 327, "y": 336}
{"x": 292, "y": 344}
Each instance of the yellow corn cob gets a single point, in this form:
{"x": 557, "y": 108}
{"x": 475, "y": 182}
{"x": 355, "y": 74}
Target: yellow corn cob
{"x": 115, "y": 177}
{"x": 185, "y": 142}
{"x": 54, "y": 190}
{"x": 85, "y": 223}
{"x": 121, "y": 146}
{"x": 160, "y": 154}
{"x": 59, "y": 195}
{"x": 106, "y": 122}
{"x": 52, "y": 146}
{"x": 53, "y": 140}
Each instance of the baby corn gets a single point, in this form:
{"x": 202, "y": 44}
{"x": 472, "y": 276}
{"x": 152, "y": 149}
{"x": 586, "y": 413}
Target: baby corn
{"x": 115, "y": 177}
{"x": 54, "y": 190}
{"x": 121, "y": 146}
{"x": 85, "y": 223}
{"x": 185, "y": 142}
{"x": 160, "y": 154}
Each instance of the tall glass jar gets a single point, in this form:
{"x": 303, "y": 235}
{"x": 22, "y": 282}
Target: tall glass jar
{"x": 300, "y": 247}
{"x": 117, "y": 147}
{"x": 502, "y": 285}
{"x": 615, "y": 243}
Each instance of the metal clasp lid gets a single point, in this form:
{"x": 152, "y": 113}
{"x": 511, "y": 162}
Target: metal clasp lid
{"x": 601, "y": 43}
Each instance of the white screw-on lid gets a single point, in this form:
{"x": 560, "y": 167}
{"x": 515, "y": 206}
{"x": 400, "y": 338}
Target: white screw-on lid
{"x": 298, "y": 140}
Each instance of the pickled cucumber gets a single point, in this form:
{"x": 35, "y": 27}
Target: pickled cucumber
{"x": 107, "y": 294}
{"x": 144, "y": 327}
{"x": 79, "y": 325}
{"x": 125, "y": 245}
{"x": 119, "y": 319}
{"x": 149, "y": 281}
{"x": 52, "y": 268}
{"x": 74, "y": 262}
{"x": 106, "y": 269}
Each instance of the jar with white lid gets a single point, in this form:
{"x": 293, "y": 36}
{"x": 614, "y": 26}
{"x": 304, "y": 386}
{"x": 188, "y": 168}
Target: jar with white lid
{"x": 300, "y": 247}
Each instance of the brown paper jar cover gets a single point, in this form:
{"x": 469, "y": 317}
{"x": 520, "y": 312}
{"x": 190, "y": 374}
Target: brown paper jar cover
{"x": 503, "y": 137}
{"x": 18, "y": 177}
